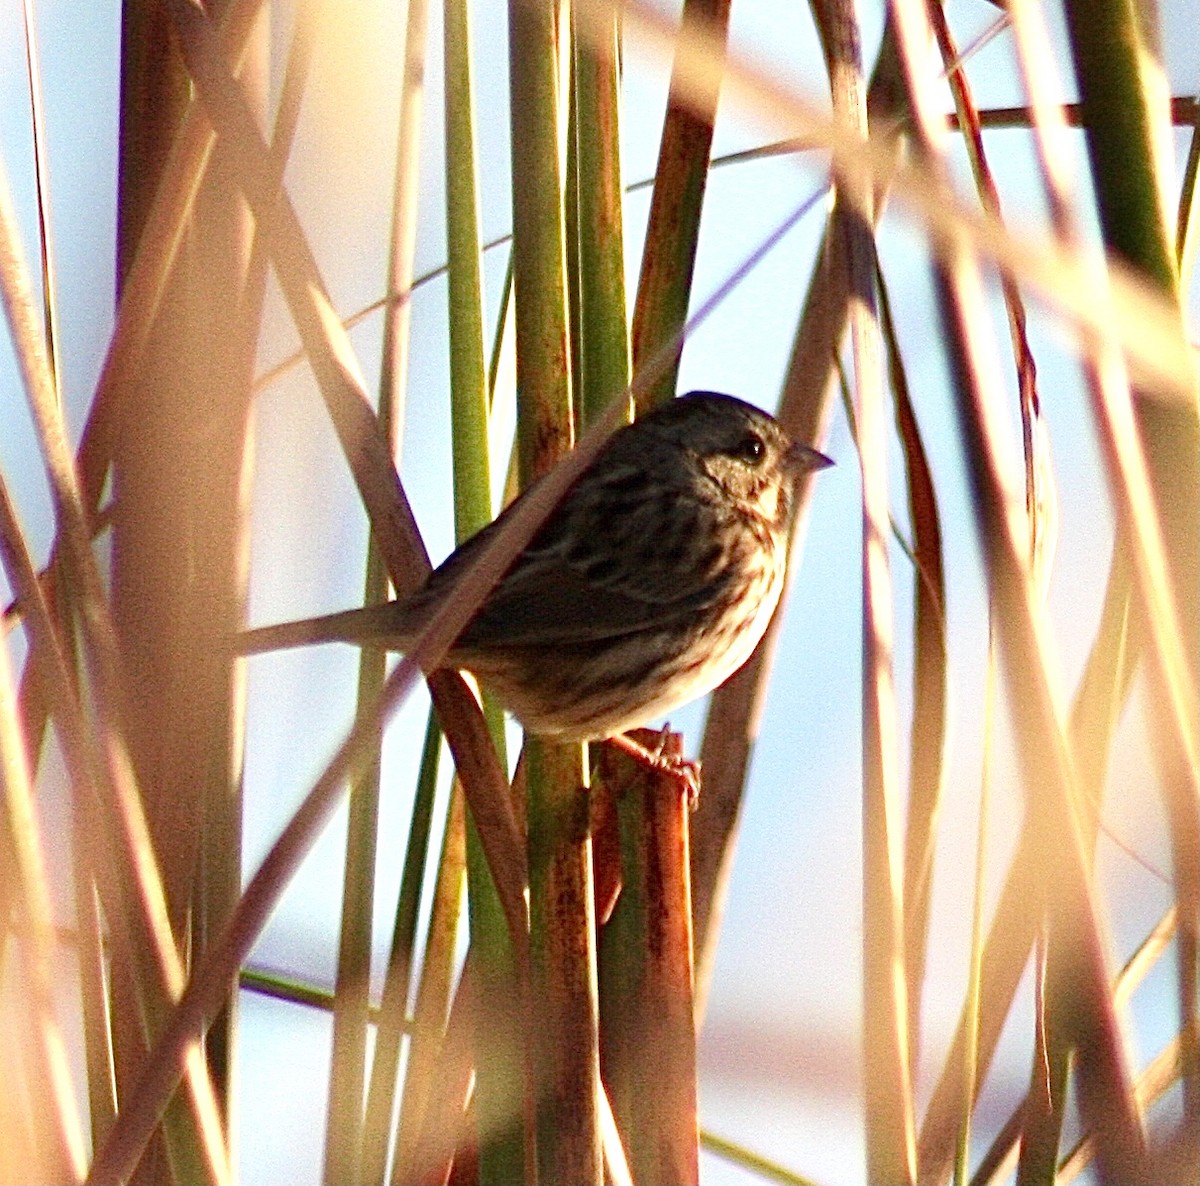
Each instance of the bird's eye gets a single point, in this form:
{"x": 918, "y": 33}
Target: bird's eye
{"x": 750, "y": 449}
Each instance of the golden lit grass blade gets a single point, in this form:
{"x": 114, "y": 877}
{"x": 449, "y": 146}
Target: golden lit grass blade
{"x": 98, "y": 851}
{"x": 1052, "y": 794}
{"x": 648, "y": 1006}
{"x": 443, "y": 1125}
{"x": 1101, "y": 695}
{"x": 208, "y": 987}
{"x": 176, "y": 577}
{"x": 1044, "y": 1108}
{"x": 1039, "y": 488}
{"x": 1002, "y": 962}
{"x": 1149, "y": 952}
{"x": 18, "y": 1151}
{"x": 1139, "y": 530}
{"x": 1000, "y": 1157}
{"x": 352, "y": 998}
{"x": 1126, "y": 157}
{"x": 805, "y": 407}
{"x": 928, "y": 737}
{"x": 970, "y": 1079}
{"x": 55, "y": 1106}
{"x": 1117, "y": 57}
{"x": 1046, "y": 762}
{"x": 37, "y": 109}
{"x": 367, "y": 453}
{"x": 104, "y": 669}
{"x": 47, "y": 670}
{"x": 180, "y": 516}
{"x": 345, "y": 1119}
{"x": 433, "y": 999}
{"x": 565, "y": 1037}
{"x": 158, "y": 246}
{"x": 890, "y": 1134}
{"x": 1054, "y": 270}
{"x": 616, "y": 1167}
{"x": 403, "y": 240}
{"x": 669, "y": 255}
{"x": 102, "y": 1102}
{"x": 385, "y": 1061}
{"x": 226, "y": 507}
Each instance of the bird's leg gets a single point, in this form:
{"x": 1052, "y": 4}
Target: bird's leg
{"x": 685, "y": 770}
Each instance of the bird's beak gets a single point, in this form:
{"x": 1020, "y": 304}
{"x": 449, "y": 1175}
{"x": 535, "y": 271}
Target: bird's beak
{"x": 803, "y": 460}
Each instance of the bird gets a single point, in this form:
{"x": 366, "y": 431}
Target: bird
{"x": 648, "y": 586}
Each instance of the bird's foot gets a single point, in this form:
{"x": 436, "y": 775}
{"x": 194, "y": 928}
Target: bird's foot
{"x": 657, "y": 756}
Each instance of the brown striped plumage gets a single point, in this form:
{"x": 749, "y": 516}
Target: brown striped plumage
{"x": 649, "y": 585}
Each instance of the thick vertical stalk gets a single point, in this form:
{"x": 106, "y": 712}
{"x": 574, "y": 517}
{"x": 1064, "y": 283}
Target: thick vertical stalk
{"x": 178, "y": 530}
{"x": 673, "y": 231}
{"x": 566, "y": 1036}
{"x": 647, "y": 965}
{"x": 603, "y": 346}
{"x": 562, "y": 929}
{"x": 153, "y": 94}
{"x": 499, "y": 1055}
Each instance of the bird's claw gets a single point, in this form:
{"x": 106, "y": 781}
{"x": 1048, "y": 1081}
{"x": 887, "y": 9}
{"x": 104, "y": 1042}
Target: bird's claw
{"x": 685, "y": 772}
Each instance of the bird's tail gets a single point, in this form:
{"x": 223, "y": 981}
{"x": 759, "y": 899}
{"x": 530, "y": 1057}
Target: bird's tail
{"x": 372, "y": 625}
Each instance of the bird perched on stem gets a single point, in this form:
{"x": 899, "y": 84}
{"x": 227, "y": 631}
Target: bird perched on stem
{"x": 649, "y": 585}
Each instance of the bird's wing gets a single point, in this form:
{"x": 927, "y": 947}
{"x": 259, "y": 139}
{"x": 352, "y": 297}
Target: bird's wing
{"x": 615, "y": 560}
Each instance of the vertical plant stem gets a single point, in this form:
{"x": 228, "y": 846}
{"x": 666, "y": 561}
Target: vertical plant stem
{"x": 48, "y": 1072}
{"x": 805, "y": 407}
{"x": 970, "y": 1079}
{"x": 891, "y": 1142}
{"x": 603, "y": 346}
{"x": 345, "y": 1125}
{"x": 1106, "y": 1099}
{"x": 566, "y": 1034}
{"x": 499, "y": 1058}
{"x": 432, "y": 1007}
{"x": 385, "y": 1064}
{"x": 41, "y": 167}
{"x": 929, "y": 690}
{"x": 1118, "y": 62}
{"x": 647, "y": 964}
{"x": 178, "y": 531}
{"x": 154, "y": 96}
{"x": 673, "y": 230}
{"x": 136, "y": 870}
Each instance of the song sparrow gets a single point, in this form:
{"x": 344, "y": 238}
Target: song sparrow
{"x": 649, "y": 585}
